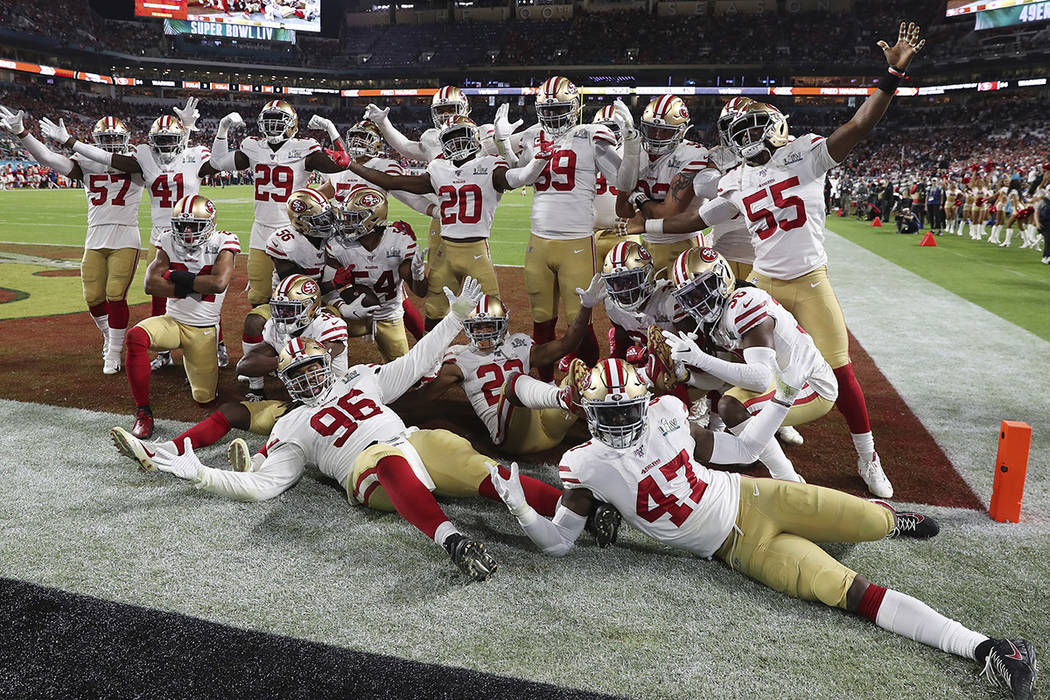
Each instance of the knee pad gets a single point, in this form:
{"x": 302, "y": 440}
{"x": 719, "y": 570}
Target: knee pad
{"x": 829, "y": 587}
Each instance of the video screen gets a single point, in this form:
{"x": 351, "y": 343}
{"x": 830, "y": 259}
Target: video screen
{"x": 162, "y": 9}
{"x": 297, "y": 15}
{"x": 965, "y": 7}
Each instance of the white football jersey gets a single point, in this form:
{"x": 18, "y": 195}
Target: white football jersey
{"x": 485, "y": 373}
{"x": 467, "y": 198}
{"x": 346, "y": 181}
{"x": 325, "y": 328}
{"x": 198, "y": 309}
{"x": 167, "y": 184}
{"x": 563, "y": 200}
{"x": 378, "y": 269}
{"x": 289, "y": 244}
{"x": 656, "y": 173}
{"x": 431, "y": 145}
{"x": 660, "y": 309}
{"x": 276, "y": 175}
{"x": 730, "y": 238}
{"x": 750, "y": 306}
{"x": 658, "y": 486}
{"x": 783, "y": 204}
{"x": 113, "y": 201}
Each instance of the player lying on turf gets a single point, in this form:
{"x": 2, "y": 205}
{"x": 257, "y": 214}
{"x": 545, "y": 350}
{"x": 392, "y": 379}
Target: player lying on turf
{"x": 648, "y": 462}
{"x": 348, "y": 431}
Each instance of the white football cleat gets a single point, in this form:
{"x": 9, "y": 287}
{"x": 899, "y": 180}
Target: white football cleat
{"x": 111, "y": 363}
{"x": 133, "y": 448}
{"x": 789, "y": 436}
{"x": 871, "y": 471}
{"x": 239, "y": 456}
{"x": 163, "y": 359}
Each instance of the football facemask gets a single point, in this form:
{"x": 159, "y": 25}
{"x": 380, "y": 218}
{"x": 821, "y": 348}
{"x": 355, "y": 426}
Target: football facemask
{"x": 305, "y": 367}
{"x": 486, "y": 327}
{"x": 616, "y": 404}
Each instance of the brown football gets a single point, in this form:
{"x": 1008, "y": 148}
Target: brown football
{"x": 351, "y": 292}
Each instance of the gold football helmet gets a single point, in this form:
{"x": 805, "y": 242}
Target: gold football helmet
{"x": 486, "y": 327}
{"x": 607, "y": 116}
{"x": 305, "y": 367}
{"x": 628, "y": 275}
{"x": 703, "y": 283}
{"x": 295, "y": 304}
{"x": 111, "y": 134}
{"x": 362, "y": 211}
{"x": 730, "y": 111}
{"x": 364, "y": 139}
{"x": 663, "y": 124}
{"x": 278, "y": 121}
{"x": 558, "y": 106}
{"x": 192, "y": 221}
{"x": 616, "y": 403}
{"x": 311, "y": 214}
{"x": 448, "y": 101}
{"x": 759, "y": 128}
{"x": 460, "y": 139}
{"x": 167, "y": 138}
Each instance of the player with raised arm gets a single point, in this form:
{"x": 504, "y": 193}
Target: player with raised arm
{"x": 113, "y": 245}
{"x": 380, "y": 256}
{"x": 348, "y": 431}
{"x": 608, "y": 227}
{"x": 193, "y": 267}
{"x": 780, "y": 191}
{"x": 469, "y": 185}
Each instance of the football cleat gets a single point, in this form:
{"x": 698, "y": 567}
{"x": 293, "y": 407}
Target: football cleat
{"x": 660, "y": 368}
{"x": 239, "y": 456}
{"x": 916, "y": 525}
{"x": 1012, "y": 664}
{"x": 253, "y": 395}
{"x": 569, "y": 395}
{"x": 133, "y": 448}
{"x": 163, "y": 359}
{"x": 223, "y": 355}
{"x": 604, "y": 524}
{"x": 470, "y": 556}
{"x": 143, "y": 428}
{"x": 111, "y": 363}
{"x": 789, "y": 436}
{"x": 564, "y": 362}
{"x": 871, "y": 471}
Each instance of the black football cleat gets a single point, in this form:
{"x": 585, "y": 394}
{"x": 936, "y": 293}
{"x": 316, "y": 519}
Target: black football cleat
{"x": 471, "y": 557}
{"x": 1011, "y": 664}
{"x": 916, "y": 525}
{"x": 604, "y": 524}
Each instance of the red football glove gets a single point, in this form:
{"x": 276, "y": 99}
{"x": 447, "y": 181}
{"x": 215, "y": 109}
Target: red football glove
{"x": 403, "y": 227}
{"x": 341, "y": 157}
{"x": 344, "y": 276}
{"x": 636, "y": 355}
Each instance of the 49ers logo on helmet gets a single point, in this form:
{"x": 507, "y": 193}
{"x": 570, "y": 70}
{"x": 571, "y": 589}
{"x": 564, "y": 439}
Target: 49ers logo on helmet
{"x": 209, "y": 207}
{"x": 643, "y": 253}
{"x": 298, "y": 206}
{"x": 708, "y": 254}
{"x": 371, "y": 199}
{"x": 310, "y": 287}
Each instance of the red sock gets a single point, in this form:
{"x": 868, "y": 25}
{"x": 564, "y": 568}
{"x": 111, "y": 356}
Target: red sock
{"x": 871, "y": 601}
{"x": 413, "y": 319}
{"x": 681, "y": 390}
{"x": 160, "y": 305}
{"x": 851, "y": 400}
{"x": 588, "y": 349}
{"x": 412, "y": 500}
{"x": 118, "y": 314}
{"x": 99, "y": 309}
{"x": 136, "y": 364}
{"x": 540, "y": 495}
{"x": 614, "y": 349}
{"x": 208, "y": 432}
{"x": 220, "y": 331}
{"x": 543, "y": 332}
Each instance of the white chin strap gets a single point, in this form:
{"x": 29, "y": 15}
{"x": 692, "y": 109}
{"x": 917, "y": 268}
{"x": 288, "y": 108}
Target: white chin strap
{"x": 754, "y": 149}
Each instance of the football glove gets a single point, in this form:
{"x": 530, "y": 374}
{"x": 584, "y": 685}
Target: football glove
{"x": 805, "y": 360}
{"x": 377, "y": 115}
{"x": 594, "y": 294}
{"x": 509, "y": 490}
{"x": 321, "y": 124}
{"x": 501, "y": 126}
{"x": 12, "y": 121}
{"x": 462, "y": 305}
{"x": 419, "y": 266}
{"x": 232, "y": 120}
{"x": 188, "y": 115}
{"x": 356, "y": 310}
{"x": 684, "y": 350}
{"x": 184, "y": 466}
{"x": 55, "y": 132}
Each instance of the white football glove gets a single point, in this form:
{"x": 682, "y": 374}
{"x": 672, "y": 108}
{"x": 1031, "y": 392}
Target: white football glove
{"x": 805, "y": 360}
{"x": 232, "y": 120}
{"x": 356, "y": 310}
{"x": 377, "y": 115}
{"x": 621, "y": 110}
{"x": 419, "y": 266}
{"x": 12, "y": 121}
{"x": 55, "y": 132}
{"x": 685, "y": 351}
{"x": 462, "y": 305}
{"x": 595, "y": 292}
{"x": 501, "y": 126}
{"x": 184, "y": 466}
{"x": 189, "y": 114}
{"x": 509, "y": 490}
{"x": 321, "y": 124}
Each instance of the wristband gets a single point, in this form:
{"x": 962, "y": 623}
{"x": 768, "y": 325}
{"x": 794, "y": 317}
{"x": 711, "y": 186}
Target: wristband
{"x": 780, "y": 402}
{"x": 654, "y": 226}
{"x": 182, "y": 278}
{"x": 167, "y": 275}
{"x": 638, "y": 199}
{"x": 897, "y": 72}
{"x": 889, "y": 83}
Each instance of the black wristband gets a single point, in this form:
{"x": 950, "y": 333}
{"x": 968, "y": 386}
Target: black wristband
{"x": 889, "y": 83}
{"x": 182, "y": 291}
{"x": 182, "y": 278}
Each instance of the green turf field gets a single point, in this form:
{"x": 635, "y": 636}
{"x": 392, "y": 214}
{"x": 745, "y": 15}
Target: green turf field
{"x": 1010, "y": 283}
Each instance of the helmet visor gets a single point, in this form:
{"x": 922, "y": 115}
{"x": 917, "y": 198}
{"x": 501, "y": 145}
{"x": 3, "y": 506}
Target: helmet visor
{"x": 273, "y": 123}
{"x": 702, "y": 297}
{"x": 460, "y": 142}
{"x": 289, "y": 315}
{"x": 618, "y": 424}
{"x": 659, "y": 138}
{"x": 485, "y": 334}
{"x": 558, "y": 117}
{"x": 747, "y": 134}
{"x": 319, "y": 225}
{"x": 354, "y": 224}
{"x": 190, "y": 232}
{"x": 166, "y": 145}
{"x": 360, "y": 142}
{"x": 628, "y": 288}
{"x": 112, "y": 141}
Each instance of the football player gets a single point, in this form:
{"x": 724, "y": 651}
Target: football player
{"x": 347, "y": 429}
{"x": 296, "y": 312}
{"x": 634, "y": 299}
{"x": 469, "y": 185}
{"x": 647, "y": 461}
{"x": 279, "y": 163}
{"x": 668, "y": 158}
{"x": 780, "y": 191}
{"x": 607, "y": 228}
{"x": 522, "y": 415}
{"x": 376, "y": 254}
{"x": 738, "y": 318}
{"x": 561, "y": 255}
{"x": 193, "y": 267}
{"x": 112, "y": 246}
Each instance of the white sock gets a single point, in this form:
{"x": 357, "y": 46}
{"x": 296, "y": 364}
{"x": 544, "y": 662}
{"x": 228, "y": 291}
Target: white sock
{"x": 256, "y": 383}
{"x": 443, "y": 531}
{"x": 864, "y": 444}
{"x": 914, "y": 619}
{"x": 102, "y": 322}
{"x": 772, "y": 455}
{"x": 1009, "y": 237}
{"x": 116, "y": 340}
{"x": 248, "y": 347}
{"x": 536, "y": 394}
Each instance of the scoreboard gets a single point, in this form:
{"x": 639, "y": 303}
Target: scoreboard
{"x": 162, "y": 9}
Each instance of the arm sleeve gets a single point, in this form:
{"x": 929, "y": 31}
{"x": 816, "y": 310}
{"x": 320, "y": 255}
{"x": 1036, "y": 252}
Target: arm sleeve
{"x": 607, "y": 160}
{"x": 396, "y": 377}
{"x": 554, "y": 537}
{"x": 277, "y": 474}
{"x": 746, "y": 447}
{"x": 754, "y": 374}
{"x": 401, "y": 143}
{"x": 717, "y": 211}
{"x": 55, "y": 161}
{"x": 527, "y": 174}
{"x": 221, "y": 157}
{"x": 416, "y": 202}
{"x": 705, "y": 184}
{"x": 93, "y": 152}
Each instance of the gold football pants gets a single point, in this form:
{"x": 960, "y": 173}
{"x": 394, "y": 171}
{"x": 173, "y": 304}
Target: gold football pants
{"x": 199, "y": 351}
{"x": 106, "y": 273}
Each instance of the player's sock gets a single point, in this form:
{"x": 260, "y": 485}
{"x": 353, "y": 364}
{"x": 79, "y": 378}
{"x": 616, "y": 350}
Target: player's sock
{"x": 208, "y": 432}
{"x": 543, "y": 332}
{"x": 100, "y": 315}
{"x": 413, "y": 319}
{"x": 864, "y": 443}
{"x": 411, "y": 499}
{"x": 118, "y": 325}
{"x": 909, "y": 617}
{"x": 772, "y": 455}
{"x": 535, "y": 394}
{"x": 588, "y": 349}
{"x": 220, "y": 332}
{"x": 136, "y": 365}
{"x": 159, "y": 306}
{"x": 851, "y": 400}
{"x": 614, "y": 349}
{"x": 249, "y": 343}
{"x": 540, "y": 495}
